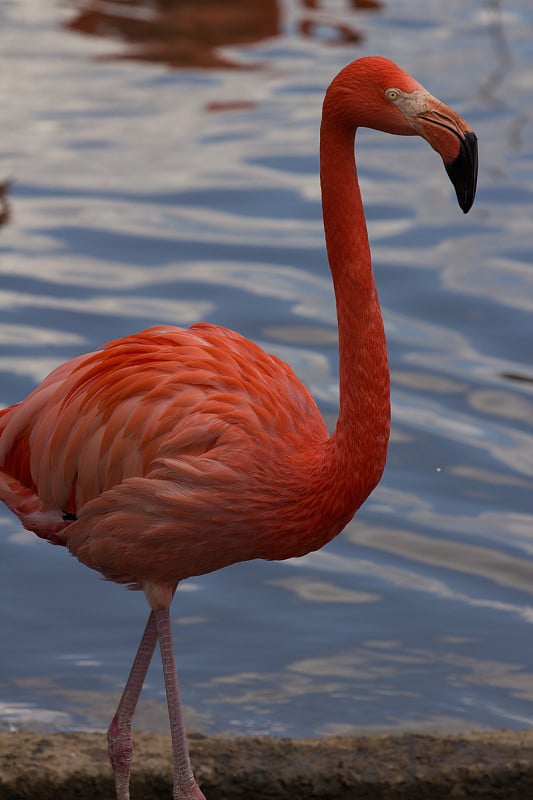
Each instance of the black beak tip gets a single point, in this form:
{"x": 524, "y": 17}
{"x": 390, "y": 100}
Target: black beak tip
{"x": 463, "y": 171}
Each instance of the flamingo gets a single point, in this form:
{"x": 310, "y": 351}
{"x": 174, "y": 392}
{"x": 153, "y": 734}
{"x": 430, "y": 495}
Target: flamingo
{"x": 174, "y": 452}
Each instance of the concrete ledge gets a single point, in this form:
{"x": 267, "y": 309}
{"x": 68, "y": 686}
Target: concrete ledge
{"x": 58, "y": 766}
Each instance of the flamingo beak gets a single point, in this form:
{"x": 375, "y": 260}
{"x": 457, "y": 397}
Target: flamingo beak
{"x": 456, "y": 142}
{"x": 462, "y": 171}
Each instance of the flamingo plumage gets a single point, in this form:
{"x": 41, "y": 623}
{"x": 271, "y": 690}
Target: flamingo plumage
{"x": 174, "y": 452}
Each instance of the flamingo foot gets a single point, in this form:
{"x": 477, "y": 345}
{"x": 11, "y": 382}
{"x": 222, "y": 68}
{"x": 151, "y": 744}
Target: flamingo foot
{"x": 120, "y": 749}
{"x": 194, "y": 793}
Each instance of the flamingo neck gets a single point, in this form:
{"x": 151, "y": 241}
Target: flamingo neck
{"x": 358, "y": 446}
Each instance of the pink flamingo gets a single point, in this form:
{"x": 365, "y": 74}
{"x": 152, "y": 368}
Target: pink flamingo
{"x": 172, "y": 452}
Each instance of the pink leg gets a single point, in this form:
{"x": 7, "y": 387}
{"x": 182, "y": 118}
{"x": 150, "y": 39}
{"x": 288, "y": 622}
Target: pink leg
{"x": 119, "y": 738}
{"x": 185, "y": 787}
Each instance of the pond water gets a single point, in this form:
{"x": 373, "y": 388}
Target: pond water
{"x": 167, "y": 179}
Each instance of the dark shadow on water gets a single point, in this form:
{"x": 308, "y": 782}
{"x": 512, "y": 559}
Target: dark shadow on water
{"x": 5, "y": 208}
{"x": 515, "y": 376}
{"x": 188, "y": 33}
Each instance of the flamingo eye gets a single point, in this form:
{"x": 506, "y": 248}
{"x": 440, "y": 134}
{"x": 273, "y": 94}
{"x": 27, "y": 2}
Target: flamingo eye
{"x": 392, "y": 94}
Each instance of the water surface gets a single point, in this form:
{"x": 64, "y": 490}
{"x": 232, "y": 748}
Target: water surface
{"x": 142, "y": 195}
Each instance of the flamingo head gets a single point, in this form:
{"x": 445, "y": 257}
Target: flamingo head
{"x": 374, "y": 92}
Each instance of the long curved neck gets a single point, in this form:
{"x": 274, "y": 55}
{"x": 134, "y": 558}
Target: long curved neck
{"x": 359, "y": 444}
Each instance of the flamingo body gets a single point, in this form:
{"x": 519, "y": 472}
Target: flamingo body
{"x": 166, "y": 454}
{"x": 174, "y": 452}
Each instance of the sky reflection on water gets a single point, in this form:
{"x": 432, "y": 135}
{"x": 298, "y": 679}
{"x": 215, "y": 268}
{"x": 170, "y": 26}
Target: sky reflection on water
{"x": 142, "y": 195}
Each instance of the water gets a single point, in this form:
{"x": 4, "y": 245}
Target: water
{"x": 142, "y": 195}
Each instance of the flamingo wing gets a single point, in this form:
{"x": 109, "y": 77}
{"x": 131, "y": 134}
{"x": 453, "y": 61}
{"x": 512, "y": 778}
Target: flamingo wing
{"x": 167, "y": 436}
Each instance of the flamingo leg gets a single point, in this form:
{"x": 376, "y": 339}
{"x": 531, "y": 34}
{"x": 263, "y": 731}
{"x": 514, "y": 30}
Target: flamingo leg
{"x": 185, "y": 787}
{"x": 119, "y": 738}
